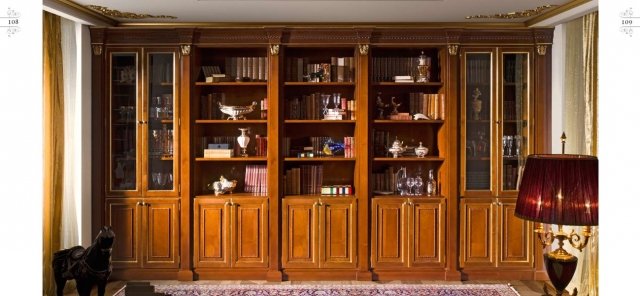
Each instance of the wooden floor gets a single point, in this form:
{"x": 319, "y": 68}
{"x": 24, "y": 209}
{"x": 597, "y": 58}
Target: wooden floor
{"x": 525, "y": 288}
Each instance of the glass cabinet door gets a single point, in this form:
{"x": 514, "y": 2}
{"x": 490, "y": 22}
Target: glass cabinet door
{"x": 123, "y": 129}
{"x": 477, "y": 119}
{"x": 513, "y": 133}
{"x": 160, "y": 125}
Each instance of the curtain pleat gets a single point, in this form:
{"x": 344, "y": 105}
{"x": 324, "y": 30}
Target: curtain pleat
{"x": 53, "y": 126}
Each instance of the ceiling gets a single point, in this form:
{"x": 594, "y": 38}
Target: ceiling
{"x": 128, "y": 12}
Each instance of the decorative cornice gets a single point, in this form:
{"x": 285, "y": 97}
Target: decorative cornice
{"x": 541, "y": 49}
{"x": 364, "y": 49}
{"x": 185, "y": 49}
{"x": 125, "y": 15}
{"x": 453, "y": 49}
{"x": 274, "y": 49}
{"x": 514, "y": 15}
{"x": 97, "y": 49}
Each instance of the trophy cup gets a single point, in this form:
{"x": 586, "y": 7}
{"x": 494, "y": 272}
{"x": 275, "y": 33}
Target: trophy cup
{"x": 424, "y": 67}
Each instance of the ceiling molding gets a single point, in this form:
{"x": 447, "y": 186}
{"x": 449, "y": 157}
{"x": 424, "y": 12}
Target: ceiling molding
{"x": 556, "y": 11}
{"x": 448, "y": 25}
{"x": 79, "y": 12}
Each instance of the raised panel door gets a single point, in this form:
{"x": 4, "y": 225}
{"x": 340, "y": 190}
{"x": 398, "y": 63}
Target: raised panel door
{"x": 300, "y": 233}
{"x": 515, "y": 236}
{"x": 477, "y": 239}
{"x": 249, "y": 232}
{"x": 211, "y": 231}
{"x": 161, "y": 223}
{"x": 124, "y": 217}
{"x": 389, "y": 232}
{"x": 426, "y": 233}
{"x": 337, "y": 233}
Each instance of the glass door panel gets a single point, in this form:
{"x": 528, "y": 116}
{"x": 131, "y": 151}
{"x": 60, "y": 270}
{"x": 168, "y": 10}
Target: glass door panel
{"x": 160, "y": 104}
{"x": 478, "y": 105}
{"x": 514, "y": 134}
{"x": 123, "y": 121}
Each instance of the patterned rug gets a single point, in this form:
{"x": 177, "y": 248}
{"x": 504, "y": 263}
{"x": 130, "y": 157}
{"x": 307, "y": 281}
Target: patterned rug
{"x": 335, "y": 290}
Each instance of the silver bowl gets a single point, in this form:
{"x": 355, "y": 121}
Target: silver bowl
{"x": 237, "y": 112}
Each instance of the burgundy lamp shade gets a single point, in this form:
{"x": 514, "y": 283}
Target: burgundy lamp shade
{"x": 559, "y": 189}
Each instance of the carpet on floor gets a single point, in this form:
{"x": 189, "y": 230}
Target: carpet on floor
{"x": 335, "y": 290}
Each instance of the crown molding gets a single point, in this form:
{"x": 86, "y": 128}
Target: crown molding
{"x": 313, "y": 25}
{"x": 71, "y": 10}
{"x": 537, "y": 20}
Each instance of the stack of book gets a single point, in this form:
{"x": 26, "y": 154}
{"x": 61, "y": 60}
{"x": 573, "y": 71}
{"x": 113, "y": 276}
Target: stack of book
{"x": 255, "y": 179}
{"x": 261, "y": 145}
{"x": 386, "y": 180}
{"x": 247, "y": 68}
{"x": 400, "y": 116}
{"x": 336, "y": 190}
{"x": 349, "y": 147}
{"x": 218, "y": 153}
{"x": 402, "y": 79}
{"x": 307, "y": 179}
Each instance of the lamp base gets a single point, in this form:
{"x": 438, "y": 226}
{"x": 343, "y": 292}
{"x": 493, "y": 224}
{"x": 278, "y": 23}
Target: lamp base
{"x": 551, "y": 291}
{"x": 560, "y": 272}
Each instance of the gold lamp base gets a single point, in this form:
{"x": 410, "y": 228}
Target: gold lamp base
{"x": 551, "y": 291}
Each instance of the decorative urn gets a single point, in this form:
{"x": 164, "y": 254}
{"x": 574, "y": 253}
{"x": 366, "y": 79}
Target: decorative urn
{"x": 396, "y": 148}
{"x": 421, "y": 151}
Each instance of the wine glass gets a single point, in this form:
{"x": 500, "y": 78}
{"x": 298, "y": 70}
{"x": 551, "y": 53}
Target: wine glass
{"x": 162, "y": 179}
{"x": 336, "y": 101}
{"x": 410, "y": 183}
{"x": 155, "y": 179}
{"x": 325, "y": 103}
{"x": 419, "y": 185}
{"x": 509, "y": 145}
{"x": 401, "y": 185}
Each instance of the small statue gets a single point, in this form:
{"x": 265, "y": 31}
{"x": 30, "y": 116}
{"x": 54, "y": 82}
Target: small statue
{"x": 395, "y": 106}
{"x": 222, "y": 186}
{"x": 476, "y": 104}
{"x": 381, "y": 106}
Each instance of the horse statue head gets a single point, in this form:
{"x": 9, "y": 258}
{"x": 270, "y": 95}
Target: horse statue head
{"x": 104, "y": 239}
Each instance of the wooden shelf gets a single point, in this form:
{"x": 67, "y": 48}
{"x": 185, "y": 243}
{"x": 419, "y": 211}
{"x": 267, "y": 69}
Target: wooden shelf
{"x": 428, "y": 121}
{"x": 407, "y": 84}
{"x": 421, "y": 197}
{"x": 250, "y": 158}
{"x": 303, "y": 159}
{"x": 166, "y": 121}
{"x": 319, "y": 83}
{"x": 224, "y": 121}
{"x": 478, "y": 121}
{"x": 232, "y": 195}
{"x": 479, "y": 158}
{"x": 318, "y": 121}
{"x": 166, "y": 83}
{"x": 408, "y": 158}
{"x": 256, "y": 83}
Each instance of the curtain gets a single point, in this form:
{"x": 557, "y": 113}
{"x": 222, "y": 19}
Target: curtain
{"x": 589, "y": 272}
{"x": 580, "y": 125}
{"x": 72, "y": 151}
{"x": 53, "y": 126}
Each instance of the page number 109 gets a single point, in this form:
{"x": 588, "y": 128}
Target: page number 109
{"x": 627, "y": 22}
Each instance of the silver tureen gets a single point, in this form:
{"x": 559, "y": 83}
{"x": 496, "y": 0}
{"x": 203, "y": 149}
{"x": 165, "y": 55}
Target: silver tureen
{"x": 237, "y": 112}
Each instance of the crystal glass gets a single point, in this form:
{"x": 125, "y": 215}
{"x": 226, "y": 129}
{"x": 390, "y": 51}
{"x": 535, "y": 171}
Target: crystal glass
{"x": 325, "y": 103}
{"x": 419, "y": 185}
{"x": 336, "y": 101}
{"x": 410, "y": 183}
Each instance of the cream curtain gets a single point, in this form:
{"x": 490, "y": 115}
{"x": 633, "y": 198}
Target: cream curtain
{"x": 580, "y": 125}
{"x": 53, "y": 126}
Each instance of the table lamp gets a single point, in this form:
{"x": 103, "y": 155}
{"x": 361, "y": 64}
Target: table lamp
{"x": 560, "y": 189}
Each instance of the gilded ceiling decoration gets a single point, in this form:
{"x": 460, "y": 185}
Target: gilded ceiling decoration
{"x": 125, "y": 15}
{"x": 515, "y": 14}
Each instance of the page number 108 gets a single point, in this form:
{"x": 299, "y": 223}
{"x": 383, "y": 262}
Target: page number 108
{"x": 13, "y": 22}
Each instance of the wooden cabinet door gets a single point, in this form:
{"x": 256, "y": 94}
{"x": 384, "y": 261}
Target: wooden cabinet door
{"x": 337, "y": 233}
{"x": 211, "y": 232}
{"x": 161, "y": 231}
{"x": 123, "y": 215}
{"x": 300, "y": 233}
{"x": 477, "y": 222}
{"x": 426, "y": 233}
{"x": 249, "y": 232}
{"x": 515, "y": 236}
{"x": 388, "y": 232}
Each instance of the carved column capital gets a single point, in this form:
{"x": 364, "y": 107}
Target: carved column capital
{"x": 364, "y": 49}
{"x": 185, "y": 49}
{"x": 97, "y": 49}
{"x": 453, "y": 49}
{"x": 274, "y": 49}
{"x": 541, "y": 49}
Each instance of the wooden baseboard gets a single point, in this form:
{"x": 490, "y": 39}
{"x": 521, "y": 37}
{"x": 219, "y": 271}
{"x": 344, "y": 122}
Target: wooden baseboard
{"x": 416, "y": 275}
{"x": 230, "y": 274}
{"x": 497, "y": 274}
{"x": 185, "y": 275}
{"x": 319, "y": 275}
{"x": 274, "y": 276}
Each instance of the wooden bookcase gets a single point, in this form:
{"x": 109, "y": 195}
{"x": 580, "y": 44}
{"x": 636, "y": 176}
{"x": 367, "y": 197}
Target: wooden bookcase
{"x": 289, "y": 230}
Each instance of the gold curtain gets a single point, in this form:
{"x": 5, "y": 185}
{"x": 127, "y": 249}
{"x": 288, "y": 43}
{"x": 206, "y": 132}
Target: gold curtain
{"x": 53, "y": 126}
{"x": 589, "y": 272}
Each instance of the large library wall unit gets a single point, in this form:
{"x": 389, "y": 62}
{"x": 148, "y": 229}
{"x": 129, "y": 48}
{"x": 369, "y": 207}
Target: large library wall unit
{"x": 317, "y": 153}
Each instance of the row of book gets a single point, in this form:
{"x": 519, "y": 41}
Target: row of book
{"x": 255, "y": 179}
{"x": 381, "y": 141}
{"x": 511, "y": 176}
{"x": 431, "y": 105}
{"x": 315, "y": 146}
{"x": 247, "y": 68}
{"x": 209, "y": 108}
{"x": 386, "y": 68}
{"x": 478, "y": 71}
{"x": 510, "y": 110}
{"x": 310, "y": 107}
{"x": 515, "y": 69}
{"x": 386, "y": 180}
{"x": 307, "y": 179}
{"x": 341, "y": 69}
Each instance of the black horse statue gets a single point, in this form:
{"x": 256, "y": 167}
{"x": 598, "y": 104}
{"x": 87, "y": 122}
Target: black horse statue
{"x": 88, "y": 267}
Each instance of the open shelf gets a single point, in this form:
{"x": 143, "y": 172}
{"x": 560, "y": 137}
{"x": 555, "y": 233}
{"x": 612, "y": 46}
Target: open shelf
{"x": 422, "y": 197}
{"x": 310, "y": 196}
{"x": 305, "y": 159}
{"x": 290, "y": 83}
{"x": 406, "y": 158}
{"x": 224, "y": 121}
{"x": 230, "y": 83}
{"x": 250, "y": 158}
{"x": 232, "y": 195}
{"x": 407, "y": 84}
{"x": 318, "y": 121}
{"x": 428, "y": 121}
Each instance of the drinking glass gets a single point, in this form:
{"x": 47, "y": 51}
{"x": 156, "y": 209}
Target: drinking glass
{"x": 155, "y": 179}
{"x": 419, "y": 185}
{"x": 163, "y": 179}
{"x": 509, "y": 145}
{"x": 336, "y": 101}
{"x": 325, "y": 103}
{"x": 410, "y": 183}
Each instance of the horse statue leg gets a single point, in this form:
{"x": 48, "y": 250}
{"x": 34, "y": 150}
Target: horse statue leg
{"x": 101, "y": 287}
{"x": 60, "y": 283}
